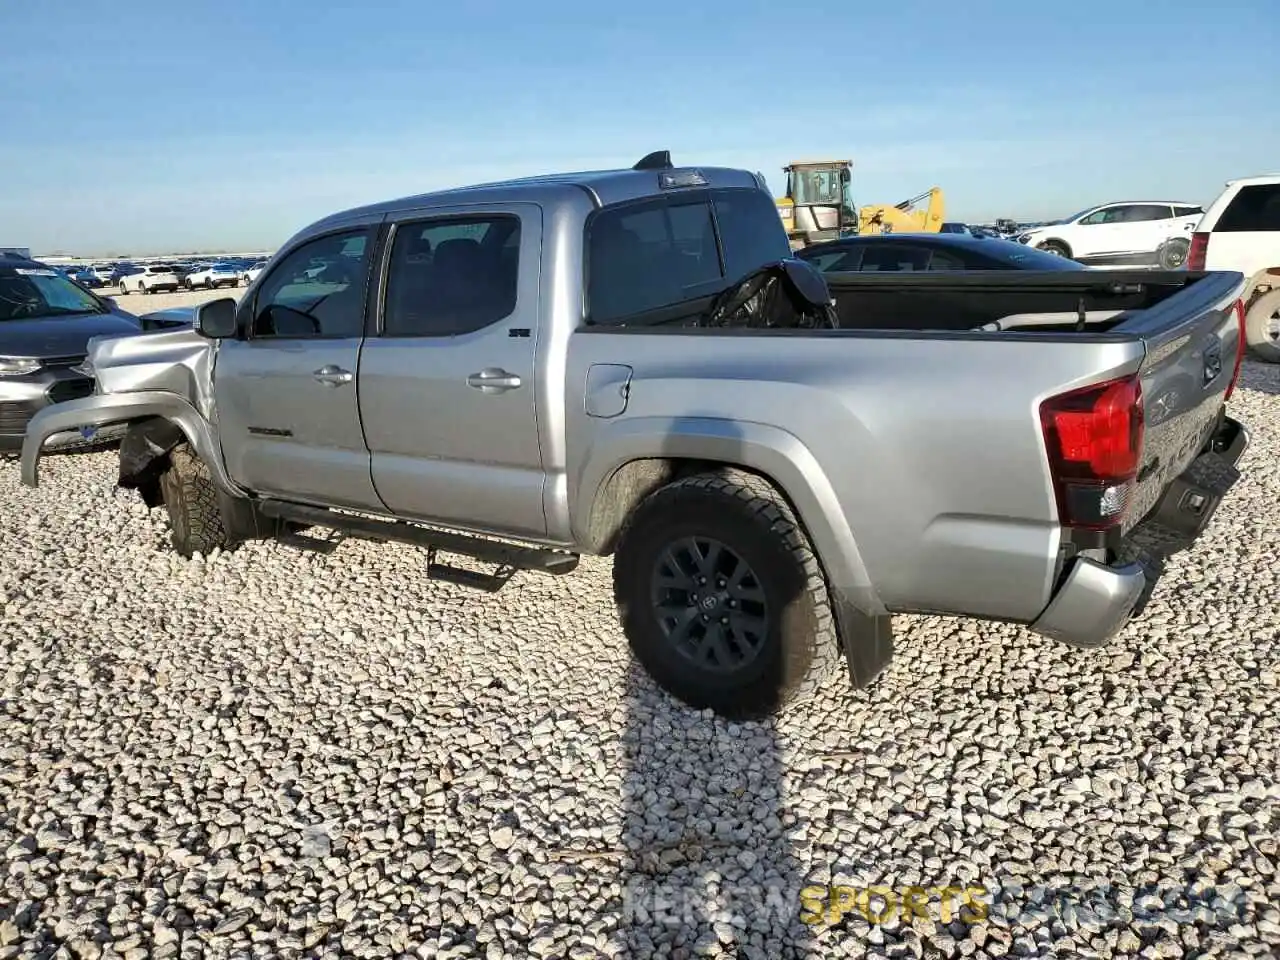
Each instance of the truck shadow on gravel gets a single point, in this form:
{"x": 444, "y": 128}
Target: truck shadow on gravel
{"x": 1263, "y": 377}
{"x": 708, "y": 866}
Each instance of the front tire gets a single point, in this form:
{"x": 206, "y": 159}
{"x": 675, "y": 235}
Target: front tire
{"x": 191, "y": 499}
{"x": 721, "y": 596}
{"x": 1056, "y": 247}
{"x": 1262, "y": 327}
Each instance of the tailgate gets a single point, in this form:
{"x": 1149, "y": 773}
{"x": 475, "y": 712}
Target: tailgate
{"x": 1192, "y": 342}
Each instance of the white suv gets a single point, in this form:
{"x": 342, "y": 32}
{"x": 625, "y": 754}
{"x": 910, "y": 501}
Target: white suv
{"x": 213, "y": 276}
{"x": 1241, "y": 231}
{"x": 150, "y": 279}
{"x": 1129, "y": 234}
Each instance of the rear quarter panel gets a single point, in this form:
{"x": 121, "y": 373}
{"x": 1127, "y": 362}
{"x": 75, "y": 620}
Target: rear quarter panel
{"x": 918, "y": 465}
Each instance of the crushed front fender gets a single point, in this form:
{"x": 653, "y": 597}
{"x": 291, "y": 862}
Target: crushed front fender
{"x": 109, "y": 408}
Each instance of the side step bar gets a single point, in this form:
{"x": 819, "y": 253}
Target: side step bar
{"x": 508, "y": 557}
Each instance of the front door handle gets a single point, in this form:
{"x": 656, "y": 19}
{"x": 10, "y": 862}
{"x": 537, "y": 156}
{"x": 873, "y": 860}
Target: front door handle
{"x": 493, "y": 380}
{"x": 332, "y": 376}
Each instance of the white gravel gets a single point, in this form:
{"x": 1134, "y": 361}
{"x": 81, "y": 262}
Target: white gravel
{"x": 271, "y": 754}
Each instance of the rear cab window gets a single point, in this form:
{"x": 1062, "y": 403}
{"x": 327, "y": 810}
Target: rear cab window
{"x": 1254, "y": 209}
{"x": 646, "y": 259}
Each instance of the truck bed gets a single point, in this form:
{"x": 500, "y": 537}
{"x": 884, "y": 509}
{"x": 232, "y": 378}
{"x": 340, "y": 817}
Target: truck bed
{"x": 926, "y": 425}
{"x": 980, "y": 299}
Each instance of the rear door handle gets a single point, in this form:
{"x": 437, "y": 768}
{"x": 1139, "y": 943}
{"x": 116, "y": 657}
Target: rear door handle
{"x": 493, "y": 380}
{"x": 332, "y": 376}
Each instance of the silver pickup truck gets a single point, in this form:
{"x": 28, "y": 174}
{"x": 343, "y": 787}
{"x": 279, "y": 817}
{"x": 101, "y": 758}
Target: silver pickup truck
{"x": 629, "y": 362}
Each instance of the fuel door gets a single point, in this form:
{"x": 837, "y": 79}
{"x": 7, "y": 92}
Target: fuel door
{"x": 608, "y": 389}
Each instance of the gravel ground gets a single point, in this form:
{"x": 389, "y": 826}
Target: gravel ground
{"x": 272, "y": 754}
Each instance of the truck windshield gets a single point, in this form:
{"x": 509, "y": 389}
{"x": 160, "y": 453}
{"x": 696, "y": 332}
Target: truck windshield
{"x": 28, "y": 294}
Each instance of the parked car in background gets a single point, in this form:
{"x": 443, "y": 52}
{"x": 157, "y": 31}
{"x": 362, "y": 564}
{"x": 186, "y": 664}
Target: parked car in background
{"x": 1130, "y": 233}
{"x": 928, "y": 251}
{"x": 1241, "y": 231}
{"x": 954, "y": 227}
{"x": 123, "y": 270}
{"x": 46, "y": 322}
{"x": 102, "y": 274}
{"x": 153, "y": 278}
{"x": 86, "y": 278}
{"x": 250, "y": 273}
{"x": 213, "y": 276}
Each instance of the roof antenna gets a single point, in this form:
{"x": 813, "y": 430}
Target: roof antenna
{"x": 658, "y": 160}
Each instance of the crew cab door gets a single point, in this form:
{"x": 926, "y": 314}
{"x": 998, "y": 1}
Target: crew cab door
{"x": 447, "y": 391}
{"x": 1146, "y": 226}
{"x": 288, "y": 417}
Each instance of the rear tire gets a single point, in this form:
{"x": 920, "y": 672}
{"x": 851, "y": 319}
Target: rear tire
{"x": 192, "y": 501}
{"x": 1056, "y": 247}
{"x": 1173, "y": 253}
{"x": 1262, "y": 327}
{"x": 741, "y": 644}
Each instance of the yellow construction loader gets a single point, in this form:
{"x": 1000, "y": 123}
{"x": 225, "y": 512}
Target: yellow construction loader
{"x": 904, "y": 217}
{"x": 818, "y": 206}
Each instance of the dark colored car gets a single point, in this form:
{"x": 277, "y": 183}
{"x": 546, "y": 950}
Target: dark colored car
{"x": 123, "y": 270}
{"x": 929, "y": 251}
{"x": 46, "y": 322}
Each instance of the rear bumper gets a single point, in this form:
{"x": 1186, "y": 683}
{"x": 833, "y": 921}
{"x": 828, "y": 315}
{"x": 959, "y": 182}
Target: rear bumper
{"x": 1095, "y": 600}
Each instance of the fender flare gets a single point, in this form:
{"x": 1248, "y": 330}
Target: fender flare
{"x": 101, "y": 409}
{"x": 771, "y": 451}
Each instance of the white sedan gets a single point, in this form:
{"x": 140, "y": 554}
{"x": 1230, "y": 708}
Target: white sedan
{"x": 157, "y": 276}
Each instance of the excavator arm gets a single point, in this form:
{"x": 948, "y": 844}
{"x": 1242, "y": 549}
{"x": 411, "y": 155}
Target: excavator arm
{"x": 904, "y": 217}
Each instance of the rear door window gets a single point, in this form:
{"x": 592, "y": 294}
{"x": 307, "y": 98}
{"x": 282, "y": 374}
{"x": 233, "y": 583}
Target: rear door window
{"x": 1255, "y": 209}
{"x": 452, "y": 277}
{"x": 1145, "y": 212}
{"x": 750, "y": 231}
{"x": 894, "y": 257}
{"x": 645, "y": 256}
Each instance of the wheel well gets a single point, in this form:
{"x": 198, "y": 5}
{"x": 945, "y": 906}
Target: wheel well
{"x": 1260, "y": 284}
{"x": 631, "y": 483}
{"x": 144, "y": 455}
{"x": 1057, "y": 242}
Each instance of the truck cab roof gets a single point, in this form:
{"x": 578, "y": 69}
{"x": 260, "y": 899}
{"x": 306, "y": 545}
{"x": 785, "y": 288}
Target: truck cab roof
{"x": 602, "y": 187}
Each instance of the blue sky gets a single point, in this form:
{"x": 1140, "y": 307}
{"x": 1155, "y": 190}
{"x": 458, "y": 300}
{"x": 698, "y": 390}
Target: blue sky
{"x": 144, "y": 126}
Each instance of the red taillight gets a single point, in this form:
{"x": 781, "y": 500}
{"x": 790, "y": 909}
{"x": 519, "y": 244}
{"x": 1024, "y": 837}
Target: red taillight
{"x": 1241, "y": 347}
{"x": 1094, "y": 440}
{"x": 1198, "y": 251}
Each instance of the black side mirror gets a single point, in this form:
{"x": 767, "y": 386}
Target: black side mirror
{"x": 216, "y": 319}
